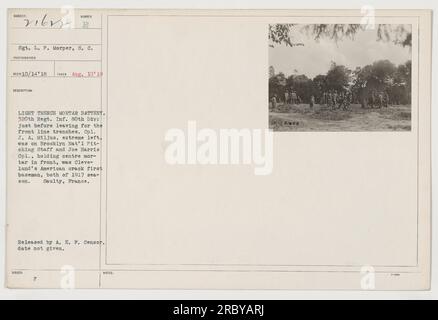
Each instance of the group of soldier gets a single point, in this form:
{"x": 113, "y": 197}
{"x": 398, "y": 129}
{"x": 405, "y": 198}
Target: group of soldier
{"x": 373, "y": 99}
{"x": 376, "y": 100}
{"x": 291, "y": 97}
{"x": 334, "y": 99}
{"x": 337, "y": 100}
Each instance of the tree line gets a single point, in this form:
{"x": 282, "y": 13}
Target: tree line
{"x": 381, "y": 76}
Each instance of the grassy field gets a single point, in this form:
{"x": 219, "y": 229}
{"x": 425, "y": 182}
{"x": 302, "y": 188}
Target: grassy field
{"x": 320, "y": 118}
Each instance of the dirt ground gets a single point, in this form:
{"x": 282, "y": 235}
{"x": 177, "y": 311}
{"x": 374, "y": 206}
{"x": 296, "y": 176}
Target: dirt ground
{"x": 320, "y": 118}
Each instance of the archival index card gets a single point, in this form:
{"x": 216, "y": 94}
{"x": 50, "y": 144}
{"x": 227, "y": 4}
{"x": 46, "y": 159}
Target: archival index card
{"x": 218, "y": 149}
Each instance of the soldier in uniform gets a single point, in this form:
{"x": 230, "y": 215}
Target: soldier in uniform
{"x": 330, "y": 100}
{"x": 347, "y": 101}
{"x": 380, "y": 100}
{"x": 386, "y": 99}
{"x": 341, "y": 99}
{"x": 372, "y": 99}
{"x": 294, "y": 97}
{"x": 335, "y": 99}
{"x": 274, "y": 102}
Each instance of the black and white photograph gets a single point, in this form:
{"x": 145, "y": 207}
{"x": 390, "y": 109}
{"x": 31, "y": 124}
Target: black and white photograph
{"x": 340, "y": 77}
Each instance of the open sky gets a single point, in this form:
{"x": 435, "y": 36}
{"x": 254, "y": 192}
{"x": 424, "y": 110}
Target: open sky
{"x": 315, "y": 56}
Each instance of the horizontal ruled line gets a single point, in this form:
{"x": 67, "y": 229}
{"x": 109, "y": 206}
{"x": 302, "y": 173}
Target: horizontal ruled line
{"x": 55, "y": 44}
{"x": 51, "y": 60}
{"x": 64, "y": 29}
{"x": 55, "y": 77}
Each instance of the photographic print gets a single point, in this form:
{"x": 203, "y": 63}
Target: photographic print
{"x": 141, "y": 151}
{"x": 340, "y": 77}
